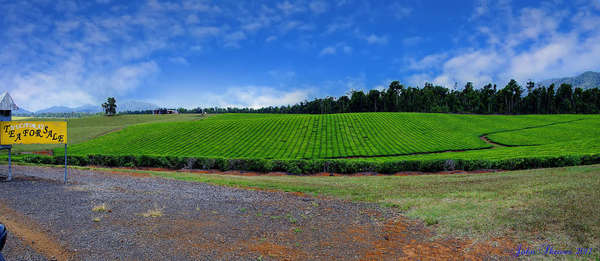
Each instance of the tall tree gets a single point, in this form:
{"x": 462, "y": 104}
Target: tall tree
{"x": 564, "y": 99}
{"x": 358, "y": 101}
{"x": 110, "y": 106}
{"x": 373, "y": 97}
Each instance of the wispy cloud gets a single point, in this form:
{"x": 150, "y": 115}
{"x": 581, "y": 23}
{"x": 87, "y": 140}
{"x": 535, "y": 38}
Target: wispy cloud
{"x": 256, "y": 97}
{"x": 400, "y": 11}
{"x": 179, "y": 60}
{"x": 318, "y": 7}
{"x": 288, "y": 7}
{"x": 376, "y": 39}
{"x": 339, "y": 47}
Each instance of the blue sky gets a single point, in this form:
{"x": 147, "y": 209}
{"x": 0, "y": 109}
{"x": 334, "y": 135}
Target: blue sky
{"x": 259, "y": 53}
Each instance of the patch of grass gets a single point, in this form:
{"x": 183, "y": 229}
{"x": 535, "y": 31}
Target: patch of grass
{"x": 152, "y": 213}
{"x": 292, "y": 219}
{"x": 297, "y": 230}
{"x": 559, "y": 206}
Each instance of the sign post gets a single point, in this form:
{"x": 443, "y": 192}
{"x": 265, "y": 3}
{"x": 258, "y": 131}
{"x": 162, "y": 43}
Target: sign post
{"x": 66, "y": 163}
{"x": 33, "y": 132}
{"x": 9, "y": 166}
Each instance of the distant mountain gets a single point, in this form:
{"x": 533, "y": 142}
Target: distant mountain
{"x": 56, "y": 109}
{"x": 88, "y": 108}
{"x": 585, "y": 80}
{"x": 21, "y": 111}
{"x": 121, "y": 107}
{"x": 135, "y": 106}
{"x": 63, "y": 109}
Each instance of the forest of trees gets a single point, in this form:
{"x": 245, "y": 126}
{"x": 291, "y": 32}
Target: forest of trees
{"x": 512, "y": 99}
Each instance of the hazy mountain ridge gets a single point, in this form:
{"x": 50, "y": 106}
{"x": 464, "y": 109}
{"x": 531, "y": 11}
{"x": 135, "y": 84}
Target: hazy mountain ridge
{"x": 135, "y": 106}
{"x": 63, "y": 109}
{"x": 585, "y": 80}
{"x": 91, "y": 109}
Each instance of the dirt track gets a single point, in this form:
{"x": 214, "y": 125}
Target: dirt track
{"x": 149, "y": 218}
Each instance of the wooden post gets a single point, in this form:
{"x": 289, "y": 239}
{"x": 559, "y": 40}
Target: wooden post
{"x": 65, "y": 163}
{"x": 9, "y": 165}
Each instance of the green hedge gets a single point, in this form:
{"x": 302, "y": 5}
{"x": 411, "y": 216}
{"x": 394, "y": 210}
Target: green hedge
{"x": 311, "y": 166}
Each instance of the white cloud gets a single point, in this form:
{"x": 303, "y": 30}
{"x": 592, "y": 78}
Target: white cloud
{"x": 289, "y": 8}
{"x": 205, "y": 31}
{"x": 532, "y": 46}
{"x": 296, "y": 25}
{"x": 271, "y": 38}
{"x": 481, "y": 9}
{"x": 72, "y": 84}
{"x": 427, "y": 61}
{"x": 338, "y": 26}
{"x": 64, "y": 27}
{"x": 233, "y": 39}
{"x": 200, "y": 6}
{"x": 179, "y": 60}
{"x": 255, "y": 97}
{"x": 252, "y": 26}
{"x": 330, "y": 50}
{"x": 346, "y": 49}
{"x": 192, "y": 19}
{"x": 413, "y": 40}
{"x": 129, "y": 77}
{"x": 401, "y": 11}
{"x": 376, "y": 39}
{"x": 318, "y": 7}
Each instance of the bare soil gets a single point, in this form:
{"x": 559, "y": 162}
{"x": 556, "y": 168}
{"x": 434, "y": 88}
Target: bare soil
{"x": 197, "y": 221}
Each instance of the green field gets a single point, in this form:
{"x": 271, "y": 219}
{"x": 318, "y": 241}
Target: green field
{"x": 375, "y": 136}
{"x": 345, "y": 143}
{"x": 86, "y": 128}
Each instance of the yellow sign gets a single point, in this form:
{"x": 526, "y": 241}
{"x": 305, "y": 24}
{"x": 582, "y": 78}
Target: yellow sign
{"x": 33, "y": 132}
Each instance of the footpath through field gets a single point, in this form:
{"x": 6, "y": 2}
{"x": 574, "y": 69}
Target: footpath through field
{"x": 103, "y": 216}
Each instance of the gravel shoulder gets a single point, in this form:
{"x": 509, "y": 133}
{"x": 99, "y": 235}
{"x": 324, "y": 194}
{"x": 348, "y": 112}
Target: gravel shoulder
{"x": 102, "y": 215}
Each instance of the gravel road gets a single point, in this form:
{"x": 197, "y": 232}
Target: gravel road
{"x": 148, "y": 218}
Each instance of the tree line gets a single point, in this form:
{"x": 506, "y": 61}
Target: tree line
{"x": 512, "y": 99}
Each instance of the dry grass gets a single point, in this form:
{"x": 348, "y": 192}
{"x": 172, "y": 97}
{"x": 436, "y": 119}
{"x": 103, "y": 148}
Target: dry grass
{"x": 558, "y": 206}
{"x": 100, "y": 208}
{"x": 152, "y": 213}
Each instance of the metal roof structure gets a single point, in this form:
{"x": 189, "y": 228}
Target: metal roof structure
{"x": 7, "y": 103}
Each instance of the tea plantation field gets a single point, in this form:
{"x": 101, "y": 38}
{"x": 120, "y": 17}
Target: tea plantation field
{"x": 367, "y": 135}
{"x": 378, "y": 138}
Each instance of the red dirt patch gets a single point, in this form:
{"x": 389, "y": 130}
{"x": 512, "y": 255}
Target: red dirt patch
{"x": 280, "y": 252}
{"x": 42, "y": 152}
{"x": 403, "y": 239}
{"x": 31, "y": 234}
